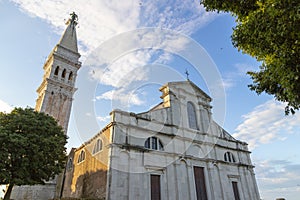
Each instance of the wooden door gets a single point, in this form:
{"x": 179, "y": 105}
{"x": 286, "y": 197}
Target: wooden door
{"x": 235, "y": 190}
{"x": 200, "y": 183}
{"x": 155, "y": 187}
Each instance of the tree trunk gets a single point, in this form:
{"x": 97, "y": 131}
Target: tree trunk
{"x": 8, "y": 192}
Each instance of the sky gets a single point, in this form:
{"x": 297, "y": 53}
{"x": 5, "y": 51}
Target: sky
{"x": 131, "y": 48}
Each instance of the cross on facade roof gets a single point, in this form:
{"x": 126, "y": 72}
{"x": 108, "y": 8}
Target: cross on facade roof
{"x": 187, "y": 74}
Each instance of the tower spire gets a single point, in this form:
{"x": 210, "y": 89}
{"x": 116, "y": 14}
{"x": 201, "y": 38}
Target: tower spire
{"x": 69, "y": 38}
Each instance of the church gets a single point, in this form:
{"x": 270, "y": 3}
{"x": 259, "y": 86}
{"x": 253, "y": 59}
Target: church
{"x": 175, "y": 150}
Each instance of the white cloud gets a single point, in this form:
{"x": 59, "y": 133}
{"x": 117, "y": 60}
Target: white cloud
{"x": 231, "y": 79}
{"x": 226, "y": 83}
{"x": 98, "y": 20}
{"x": 103, "y": 119}
{"x": 119, "y": 100}
{"x": 243, "y": 68}
{"x": 182, "y": 16}
{"x": 278, "y": 178}
{"x": 101, "y": 20}
{"x": 266, "y": 123}
{"x": 123, "y": 71}
{"x": 5, "y": 107}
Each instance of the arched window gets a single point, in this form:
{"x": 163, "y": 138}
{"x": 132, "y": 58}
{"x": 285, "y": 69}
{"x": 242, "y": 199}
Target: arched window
{"x": 98, "y": 146}
{"x": 154, "y": 143}
{"x": 70, "y": 164}
{"x": 81, "y": 156}
{"x": 56, "y": 71}
{"x": 192, "y": 115}
{"x": 229, "y": 157}
{"x": 70, "y": 76}
{"x": 63, "y": 75}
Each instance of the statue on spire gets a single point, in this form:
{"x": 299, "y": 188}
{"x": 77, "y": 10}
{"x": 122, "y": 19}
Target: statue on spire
{"x": 73, "y": 19}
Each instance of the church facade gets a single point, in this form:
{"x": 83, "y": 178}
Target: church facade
{"x": 173, "y": 151}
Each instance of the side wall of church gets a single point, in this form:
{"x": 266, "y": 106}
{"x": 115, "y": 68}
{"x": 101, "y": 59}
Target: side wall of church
{"x": 86, "y": 171}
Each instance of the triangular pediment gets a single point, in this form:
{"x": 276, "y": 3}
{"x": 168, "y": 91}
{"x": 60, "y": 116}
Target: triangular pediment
{"x": 190, "y": 87}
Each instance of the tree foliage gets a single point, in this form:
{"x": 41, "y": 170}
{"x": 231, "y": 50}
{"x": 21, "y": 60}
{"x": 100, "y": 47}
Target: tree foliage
{"x": 32, "y": 147}
{"x": 268, "y": 30}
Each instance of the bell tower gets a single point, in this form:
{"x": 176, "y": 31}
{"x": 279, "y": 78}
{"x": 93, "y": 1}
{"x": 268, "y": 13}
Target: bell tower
{"x": 55, "y": 94}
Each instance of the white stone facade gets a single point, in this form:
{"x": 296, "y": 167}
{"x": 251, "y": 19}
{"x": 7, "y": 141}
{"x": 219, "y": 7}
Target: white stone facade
{"x": 183, "y": 148}
{"x": 179, "y": 148}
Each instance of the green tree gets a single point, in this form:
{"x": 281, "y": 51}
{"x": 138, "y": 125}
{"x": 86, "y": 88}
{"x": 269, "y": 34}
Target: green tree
{"x": 32, "y": 148}
{"x": 268, "y": 30}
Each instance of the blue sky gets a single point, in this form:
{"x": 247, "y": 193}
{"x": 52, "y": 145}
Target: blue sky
{"x": 30, "y": 29}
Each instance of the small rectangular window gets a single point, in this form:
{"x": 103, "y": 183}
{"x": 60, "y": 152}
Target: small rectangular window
{"x": 200, "y": 183}
{"x": 235, "y": 190}
{"x": 155, "y": 187}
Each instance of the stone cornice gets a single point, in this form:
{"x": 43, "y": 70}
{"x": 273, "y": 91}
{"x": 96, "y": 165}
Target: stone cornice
{"x": 67, "y": 60}
{"x": 180, "y": 156}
